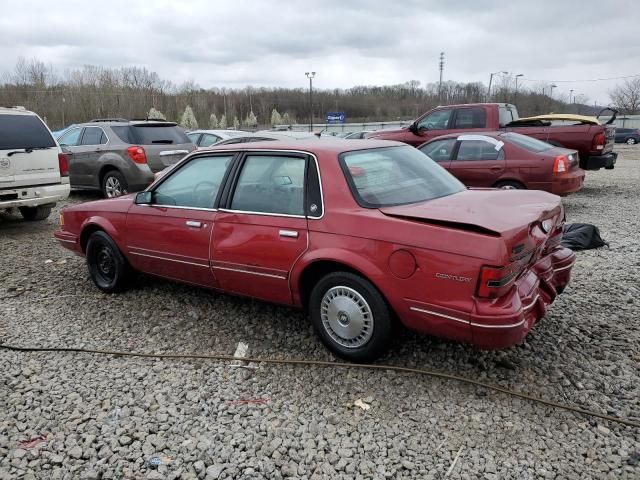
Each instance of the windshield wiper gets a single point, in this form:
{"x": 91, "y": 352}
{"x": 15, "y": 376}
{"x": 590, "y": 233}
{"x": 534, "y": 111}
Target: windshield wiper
{"x": 28, "y": 150}
{"x": 168, "y": 142}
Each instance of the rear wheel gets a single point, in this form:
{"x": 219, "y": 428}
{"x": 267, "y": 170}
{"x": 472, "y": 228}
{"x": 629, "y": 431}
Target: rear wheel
{"x": 35, "y": 213}
{"x": 510, "y": 185}
{"x": 631, "y": 141}
{"x": 108, "y": 268}
{"x": 350, "y": 316}
{"x": 114, "y": 184}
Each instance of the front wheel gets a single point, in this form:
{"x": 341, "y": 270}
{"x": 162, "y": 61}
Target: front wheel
{"x": 108, "y": 268}
{"x": 34, "y": 213}
{"x": 350, "y": 316}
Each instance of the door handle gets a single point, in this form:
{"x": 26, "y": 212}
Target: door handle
{"x": 495, "y": 169}
{"x": 193, "y": 223}
{"x": 289, "y": 233}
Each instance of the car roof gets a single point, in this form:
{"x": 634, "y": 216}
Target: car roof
{"x": 234, "y": 133}
{"x": 15, "y": 111}
{"x": 330, "y": 146}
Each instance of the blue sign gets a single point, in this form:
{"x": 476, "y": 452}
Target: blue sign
{"x": 336, "y": 117}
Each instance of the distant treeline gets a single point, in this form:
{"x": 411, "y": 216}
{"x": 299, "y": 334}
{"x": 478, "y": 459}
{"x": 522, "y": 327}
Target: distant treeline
{"x": 130, "y": 92}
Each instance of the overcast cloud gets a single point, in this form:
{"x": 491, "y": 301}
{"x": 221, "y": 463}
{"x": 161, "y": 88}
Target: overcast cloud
{"x": 219, "y": 43}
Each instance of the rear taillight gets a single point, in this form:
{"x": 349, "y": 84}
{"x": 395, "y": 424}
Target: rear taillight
{"x": 561, "y": 164}
{"x": 137, "y": 154}
{"x": 496, "y": 281}
{"x": 599, "y": 139}
{"x": 63, "y": 164}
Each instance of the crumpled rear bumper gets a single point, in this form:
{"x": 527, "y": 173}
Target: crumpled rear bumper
{"x": 508, "y": 320}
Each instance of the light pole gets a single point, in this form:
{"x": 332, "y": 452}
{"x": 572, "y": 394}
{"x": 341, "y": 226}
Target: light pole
{"x": 518, "y": 75}
{"x": 310, "y": 76}
{"x": 553, "y": 85}
{"x": 570, "y": 95}
{"x": 491, "y": 81}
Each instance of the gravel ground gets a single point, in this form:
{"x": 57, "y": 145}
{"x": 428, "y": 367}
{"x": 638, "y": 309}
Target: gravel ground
{"x": 108, "y": 417}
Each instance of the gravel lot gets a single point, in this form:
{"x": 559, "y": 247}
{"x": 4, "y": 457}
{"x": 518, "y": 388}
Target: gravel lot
{"x": 107, "y": 417}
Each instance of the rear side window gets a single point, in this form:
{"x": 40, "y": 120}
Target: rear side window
{"x": 93, "y": 136}
{"x": 470, "y": 118}
{"x": 528, "y": 143}
{"x": 271, "y": 184}
{"x": 24, "y": 131}
{"x": 124, "y": 134}
{"x": 208, "y": 139}
{"x": 148, "y": 135}
{"x": 478, "y": 150}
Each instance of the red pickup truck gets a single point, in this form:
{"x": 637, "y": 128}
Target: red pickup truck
{"x": 594, "y": 142}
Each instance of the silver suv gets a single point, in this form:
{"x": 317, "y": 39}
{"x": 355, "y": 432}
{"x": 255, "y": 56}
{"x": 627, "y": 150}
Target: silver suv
{"x": 119, "y": 156}
{"x": 33, "y": 169}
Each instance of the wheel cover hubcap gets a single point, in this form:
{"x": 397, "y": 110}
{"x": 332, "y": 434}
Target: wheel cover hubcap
{"x": 113, "y": 187}
{"x": 346, "y": 317}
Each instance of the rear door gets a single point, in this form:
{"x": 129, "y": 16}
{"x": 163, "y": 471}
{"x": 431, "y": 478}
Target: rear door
{"x": 171, "y": 236}
{"x": 263, "y": 229}
{"x": 468, "y": 119}
{"x": 28, "y": 152}
{"x": 164, "y": 144}
{"x": 478, "y": 161}
{"x": 86, "y": 155}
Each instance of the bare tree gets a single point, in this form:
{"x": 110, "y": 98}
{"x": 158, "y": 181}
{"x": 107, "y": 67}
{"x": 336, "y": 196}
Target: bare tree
{"x": 626, "y": 97}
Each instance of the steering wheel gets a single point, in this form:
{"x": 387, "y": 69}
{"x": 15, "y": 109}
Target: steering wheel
{"x": 213, "y": 187}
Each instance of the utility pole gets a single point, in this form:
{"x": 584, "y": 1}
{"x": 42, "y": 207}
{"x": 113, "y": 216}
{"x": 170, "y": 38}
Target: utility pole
{"x": 516, "y": 95}
{"x": 491, "y": 81}
{"x": 441, "y": 65}
{"x": 310, "y": 76}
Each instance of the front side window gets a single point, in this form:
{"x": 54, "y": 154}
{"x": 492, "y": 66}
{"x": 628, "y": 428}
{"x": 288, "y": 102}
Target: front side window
{"x": 439, "y": 150}
{"x": 24, "y": 131}
{"x": 438, "y": 120}
{"x": 93, "y": 136}
{"x": 383, "y": 177}
{"x": 470, "y": 118}
{"x": 196, "y": 184}
{"x": 271, "y": 184}
{"x": 71, "y": 138}
{"x": 479, "y": 150}
{"x": 208, "y": 139}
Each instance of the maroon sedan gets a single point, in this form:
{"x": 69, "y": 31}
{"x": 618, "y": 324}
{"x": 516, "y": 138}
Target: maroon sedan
{"x": 359, "y": 234}
{"x": 507, "y": 160}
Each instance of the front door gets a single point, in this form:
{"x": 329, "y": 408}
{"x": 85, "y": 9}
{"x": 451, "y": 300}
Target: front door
{"x": 86, "y": 154}
{"x": 263, "y": 230}
{"x": 171, "y": 236}
{"x": 479, "y": 160}
{"x": 432, "y": 125}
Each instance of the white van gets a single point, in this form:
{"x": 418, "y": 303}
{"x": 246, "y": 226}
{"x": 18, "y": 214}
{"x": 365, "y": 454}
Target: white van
{"x": 34, "y": 173}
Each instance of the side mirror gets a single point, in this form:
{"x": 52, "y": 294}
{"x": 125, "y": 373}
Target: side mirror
{"x": 413, "y": 128}
{"x": 144, "y": 198}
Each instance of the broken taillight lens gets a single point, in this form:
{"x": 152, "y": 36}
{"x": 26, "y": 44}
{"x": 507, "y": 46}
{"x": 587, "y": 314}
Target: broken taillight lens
{"x": 561, "y": 164}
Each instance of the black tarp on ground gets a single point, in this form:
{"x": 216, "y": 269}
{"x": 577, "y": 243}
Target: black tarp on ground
{"x": 582, "y": 236}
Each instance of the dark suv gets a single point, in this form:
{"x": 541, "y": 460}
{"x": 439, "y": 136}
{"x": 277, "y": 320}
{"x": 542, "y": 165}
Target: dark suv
{"x": 118, "y": 156}
{"x": 630, "y": 136}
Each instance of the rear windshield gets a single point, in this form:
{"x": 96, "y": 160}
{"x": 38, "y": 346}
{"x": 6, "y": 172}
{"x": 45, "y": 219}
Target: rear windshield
{"x": 528, "y": 143}
{"x": 151, "y": 135}
{"x": 24, "y": 131}
{"x": 382, "y": 177}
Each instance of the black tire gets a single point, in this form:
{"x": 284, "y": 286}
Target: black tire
{"x": 374, "y": 340}
{"x": 510, "y": 185}
{"x": 630, "y": 141}
{"x": 114, "y": 184}
{"x": 32, "y": 214}
{"x": 108, "y": 268}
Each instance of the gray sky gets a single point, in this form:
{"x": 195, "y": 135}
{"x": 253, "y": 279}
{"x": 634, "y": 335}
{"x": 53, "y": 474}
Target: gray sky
{"x": 219, "y": 43}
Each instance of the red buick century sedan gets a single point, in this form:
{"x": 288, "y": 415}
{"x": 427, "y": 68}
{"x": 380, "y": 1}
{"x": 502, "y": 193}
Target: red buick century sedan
{"x": 359, "y": 234}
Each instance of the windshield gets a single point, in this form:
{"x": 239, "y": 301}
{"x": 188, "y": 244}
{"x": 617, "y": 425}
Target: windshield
{"x": 528, "y": 143}
{"x": 24, "y": 131}
{"x": 382, "y": 177}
